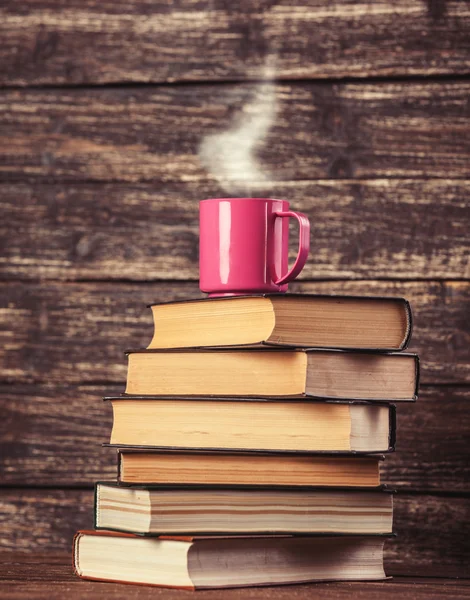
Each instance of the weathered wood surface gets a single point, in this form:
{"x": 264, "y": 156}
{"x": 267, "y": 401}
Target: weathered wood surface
{"x": 50, "y": 576}
{"x": 52, "y": 436}
{"x": 360, "y": 229}
{"x": 45, "y": 520}
{"x": 78, "y": 332}
{"x": 321, "y": 130}
{"x": 55, "y": 567}
{"x": 433, "y": 437}
{"x": 65, "y": 41}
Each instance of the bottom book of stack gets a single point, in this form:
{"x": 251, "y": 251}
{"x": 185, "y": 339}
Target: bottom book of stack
{"x": 198, "y": 562}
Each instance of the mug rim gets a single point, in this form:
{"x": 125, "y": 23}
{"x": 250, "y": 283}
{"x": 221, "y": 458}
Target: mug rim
{"x": 255, "y": 198}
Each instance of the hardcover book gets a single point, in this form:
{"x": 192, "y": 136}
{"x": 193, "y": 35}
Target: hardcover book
{"x": 228, "y": 511}
{"x": 272, "y": 372}
{"x": 218, "y": 562}
{"x": 252, "y": 424}
{"x": 284, "y": 319}
{"x": 241, "y": 468}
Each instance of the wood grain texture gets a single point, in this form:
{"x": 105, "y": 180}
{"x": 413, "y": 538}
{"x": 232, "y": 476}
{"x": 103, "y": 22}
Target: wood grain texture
{"x": 433, "y": 533}
{"x": 360, "y": 229}
{"x": 33, "y": 577}
{"x": 52, "y": 436}
{"x": 433, "y": 437}
{"x": 45, "y": 520}
{"x": 68, "y": 41}
{"x": 320, "y": 130}
{"x": 78, "y": 332}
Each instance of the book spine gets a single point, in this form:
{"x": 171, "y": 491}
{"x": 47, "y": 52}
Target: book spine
{"x": 76, "y": 537}
{"x": 265, "y": 451}
{"x": 95, "y": 505}
{"x": 393, "y": 428}
{"x": 409, "y": 317}
{"x": 417, "y": 376}
{"x": 119, "y": 460}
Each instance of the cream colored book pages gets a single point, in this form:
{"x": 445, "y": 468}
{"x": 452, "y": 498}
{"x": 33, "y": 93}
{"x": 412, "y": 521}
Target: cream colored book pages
{"x": 361, "y": 376}
{"x": 211, "y": 468}
{"x": 217, "y": 373}
{"x": 243, "y": 425}
{"x": 134, "y": 503}
{"x": 135, "y": 560}
{"x": 206, "y": 323}
{"x": 369, "y": 427}
{"x": 340, "y": 322}
{"x": 287, "y": 561}
{"x": 247, "y": 512}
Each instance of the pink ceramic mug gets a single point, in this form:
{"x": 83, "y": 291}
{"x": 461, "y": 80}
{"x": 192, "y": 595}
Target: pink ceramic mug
{"x": 244, "y": 244}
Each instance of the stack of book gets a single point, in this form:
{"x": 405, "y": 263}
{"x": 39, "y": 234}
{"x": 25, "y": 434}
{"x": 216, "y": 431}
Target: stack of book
{"x": 250, "y": 439}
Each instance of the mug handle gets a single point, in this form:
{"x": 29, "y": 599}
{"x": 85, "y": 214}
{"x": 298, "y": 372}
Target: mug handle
{"x": 304, "y": 244}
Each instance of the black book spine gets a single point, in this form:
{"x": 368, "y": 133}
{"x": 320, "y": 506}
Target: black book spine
{"x": 393, "y": 428}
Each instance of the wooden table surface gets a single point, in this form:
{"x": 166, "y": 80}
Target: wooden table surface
{"x": 26, "y": 576}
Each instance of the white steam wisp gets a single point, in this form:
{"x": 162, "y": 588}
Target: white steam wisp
{"x": 230, "y": 156}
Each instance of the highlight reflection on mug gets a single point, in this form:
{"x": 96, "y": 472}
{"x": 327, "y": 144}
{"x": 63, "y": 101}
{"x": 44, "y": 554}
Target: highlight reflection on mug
{"x": 225, "y": 223}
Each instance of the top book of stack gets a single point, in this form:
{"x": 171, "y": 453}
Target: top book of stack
{"x": 297, "y": 320}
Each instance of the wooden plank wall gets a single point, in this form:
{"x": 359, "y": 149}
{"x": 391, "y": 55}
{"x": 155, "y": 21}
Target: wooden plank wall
{"x": 103, "y": 110}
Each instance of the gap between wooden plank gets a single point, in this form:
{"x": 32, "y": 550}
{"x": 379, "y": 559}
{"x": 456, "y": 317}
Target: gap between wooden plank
{"x": 365, "y": 80}
{"x": 141, "y": 282}
{"x": 66, "y": 180}
{"x": 187, "y": 40}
